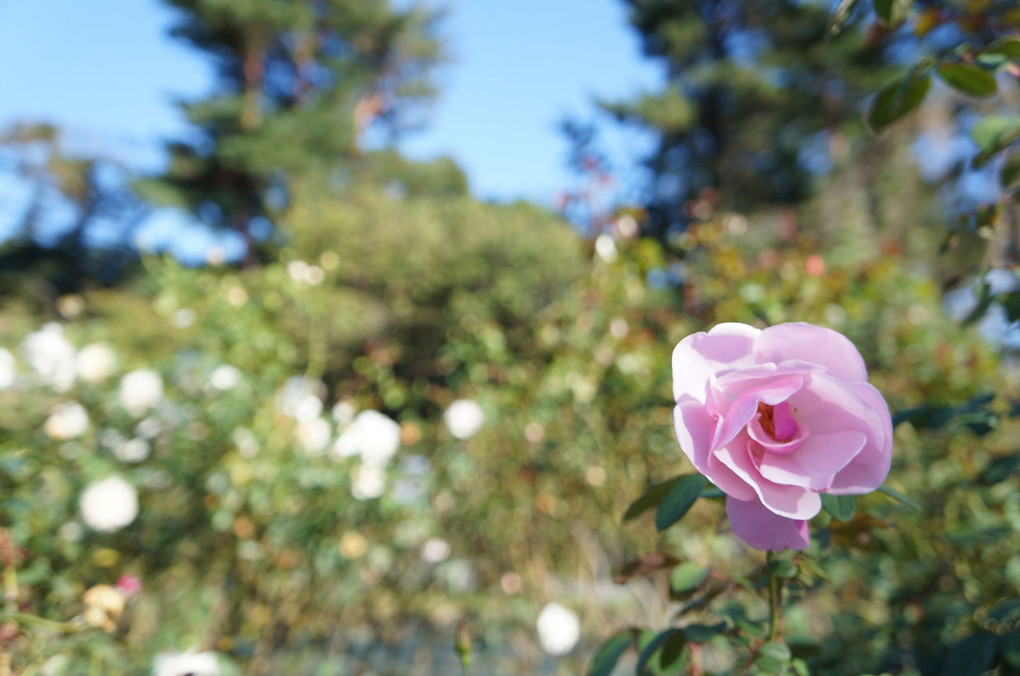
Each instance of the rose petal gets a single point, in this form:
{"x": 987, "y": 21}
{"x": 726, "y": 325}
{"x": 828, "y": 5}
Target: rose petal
{"x": 815, "y": 463}
{"x": 790, "y": 501}
{"x": 700, "y": 356}
{"x": 871, "y": 466}
{"x": 814, "y": 344}
{"x": 763, "y": 529}
{"x": 735, "y": 416}
{"x": 694, "y": 429}
{"x": 826, "y": 404}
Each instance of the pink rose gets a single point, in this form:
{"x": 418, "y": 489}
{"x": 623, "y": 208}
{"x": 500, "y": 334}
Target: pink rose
{"x": 776, "y": 417}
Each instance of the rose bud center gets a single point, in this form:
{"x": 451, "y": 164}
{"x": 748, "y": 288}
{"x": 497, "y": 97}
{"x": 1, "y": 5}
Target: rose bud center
{"x": 775, "y": 429}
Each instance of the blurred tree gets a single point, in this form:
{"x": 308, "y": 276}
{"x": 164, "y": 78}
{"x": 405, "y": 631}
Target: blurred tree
{"x": 300, "y": 84}
{"x": 76, "y": 219}
{"x": 755, "y": 94}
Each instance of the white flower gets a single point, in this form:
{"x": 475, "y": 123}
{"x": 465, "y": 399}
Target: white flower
{"x": 96, "y": 362}
{"x": 108, "y": 505}
{"x": 186, "y": 664}
{"x": 605, "y": 247}
{"x": 435, "y": 550}
{"x": 369, "y": 482}
{"x": 67, "y": 421}
{"x": 464, "y": 418}
{"x": 373, "y": 436}
{"x": 225, "y": 377}
{"x": 558, "y": 629}
{"x": 343, "y": 411}
{"x": 134, "y": 450}
{"x": 8, "y": 369}
{"x": 140, "y": 390}
{"x": 314, "y": 435}
{"x": 51, "y": 356}
{"x": 300, "y": 398}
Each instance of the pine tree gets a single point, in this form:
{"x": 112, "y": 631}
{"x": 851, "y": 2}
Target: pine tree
{"x": 299, "y": 84}
{"x": 751, "y": 90}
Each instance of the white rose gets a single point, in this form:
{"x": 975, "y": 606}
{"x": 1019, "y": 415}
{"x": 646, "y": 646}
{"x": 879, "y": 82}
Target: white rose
{"x": 96, "y": 362}
{"x": 67, "y": 421}
{"x": 140, "y": 390}
{"x": 558, "y": 629}
{"x": 51, "y": 356}
{"x": 108, "y": 505}
{"x": 464, "y": 418}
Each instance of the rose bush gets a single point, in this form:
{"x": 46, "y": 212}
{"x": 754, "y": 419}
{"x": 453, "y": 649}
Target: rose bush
{"x": 775, "y": 418}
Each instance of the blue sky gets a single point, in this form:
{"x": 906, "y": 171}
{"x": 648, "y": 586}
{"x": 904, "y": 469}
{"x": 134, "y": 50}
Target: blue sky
{"x": 107, "y": 72}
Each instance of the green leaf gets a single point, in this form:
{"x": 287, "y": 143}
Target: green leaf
{"x": 1009, "y": 648}
{"x": 968, "y": 78}
{"x": 651, "y": 648}
{"x": 891, "y": 12}
{"x": 678, "y": 500}
{"x": 776, "y": 649}
{"x": 1006, "y": 48}
{"x": 972, "y": 656}
{"x": 897, "y": 99}
{"x": 672, "y": 650}
{"x": 686, "y": 577}
{"x": 1000, "y": 469}
{"x": 703, "y": 633}
{"x": 609, "y": 653}
{"x": 992, "y": 134}
{"x": 888, "y": 490}
{"x": 841, "y": 507}
{"x": 1010, "y": 170}
{"x": 650, "y": 498}
{"x": 711, "y": 493}
{"x": 783, "y": 568}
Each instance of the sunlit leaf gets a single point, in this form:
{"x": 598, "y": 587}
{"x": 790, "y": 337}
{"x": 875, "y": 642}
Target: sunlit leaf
{"x": 686, "y": 577}
{"x": 994, "y": 133}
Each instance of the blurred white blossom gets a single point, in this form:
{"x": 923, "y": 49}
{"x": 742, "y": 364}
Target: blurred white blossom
{"x": 558, "y": 629}
{"x": 605, "y": 247}
{"x": 225, "y": 377}
{"x": 109, "y": 504}
{"x": 133, "y": 450}
{"x": 8, "y": 369}
{"x": 300, "y": 398}
{"x": 314, "y": 435}
{"x": 51, "y": 356}
{"x": 464, "y": 418}
{"x": 96, "y": 362}
{"x": 67, "y": 421}
{"x": 372, "y": 436}
{"x": 140, "y": 390}
{"x": 435, "y": 550}
{"x": 343, "y": 411}
{"x": 369, "y": 482}
{"x": 186, "y": 664}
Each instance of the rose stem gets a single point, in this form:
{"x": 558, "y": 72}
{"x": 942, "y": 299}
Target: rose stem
{"x": 775, "y": 598}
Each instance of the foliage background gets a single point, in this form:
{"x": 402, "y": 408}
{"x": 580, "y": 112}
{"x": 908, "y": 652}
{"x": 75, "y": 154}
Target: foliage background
{"x": 383, "y": 285}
